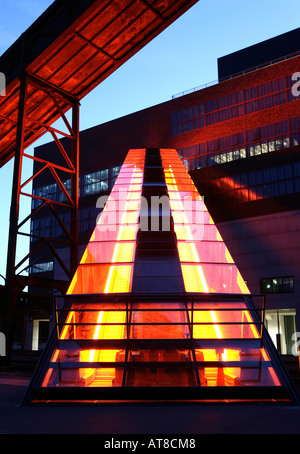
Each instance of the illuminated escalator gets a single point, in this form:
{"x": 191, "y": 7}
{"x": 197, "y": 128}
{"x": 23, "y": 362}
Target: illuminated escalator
{"x": 110, "y": 325}
{"x": 156, "y": 265}
{"x": 157, "y": 309}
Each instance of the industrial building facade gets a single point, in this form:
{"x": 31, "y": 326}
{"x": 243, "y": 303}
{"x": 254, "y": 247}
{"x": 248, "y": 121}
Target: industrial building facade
{"x": 240, "y": 141}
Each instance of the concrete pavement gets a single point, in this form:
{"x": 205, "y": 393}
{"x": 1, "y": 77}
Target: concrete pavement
{"x": 154, "y": 419}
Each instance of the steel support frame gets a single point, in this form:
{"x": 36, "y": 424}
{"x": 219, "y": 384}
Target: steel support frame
{"x": 13, "y": 284}
{"x": 36, "y": 394}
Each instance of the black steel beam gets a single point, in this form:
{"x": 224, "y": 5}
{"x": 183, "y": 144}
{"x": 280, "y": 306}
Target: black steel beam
{"x": 163, "y": 394}
{"x": 41, "y": 34}
{"x": 24, "y": 281}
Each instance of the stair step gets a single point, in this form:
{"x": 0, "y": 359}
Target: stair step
{"x": 101, "y": 383}
{"x": 105, "y": 374}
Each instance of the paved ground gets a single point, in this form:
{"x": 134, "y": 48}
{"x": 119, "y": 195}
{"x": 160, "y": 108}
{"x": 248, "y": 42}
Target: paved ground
{"x": 179, "y": 420}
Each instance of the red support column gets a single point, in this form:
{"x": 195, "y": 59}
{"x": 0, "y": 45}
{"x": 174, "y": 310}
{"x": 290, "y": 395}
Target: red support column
{"x": 14, "y": 283}
{"x": 75, "y": 189}
{"x": 10, "y": 284}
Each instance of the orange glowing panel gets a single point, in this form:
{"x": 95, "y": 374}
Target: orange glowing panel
{"x": 107, "y": 252}
{"x": 205, "y": 253}
{"x": 99, "y": 278}
{"x": 206, "y": 263}
{"x": 107, "y": 263}
{"x": 109, "y": 326}
{"x": 107, "y": 267}
{"x": 123, "y": 233}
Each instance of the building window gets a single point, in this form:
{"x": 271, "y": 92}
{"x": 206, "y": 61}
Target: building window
{"x": 245, "y": 102}
{"x": 41, "y": 268}
{"x": 281, "y": 325}
{"x": 277, "y": 285}
{"x": 257, "y": 141}
{"x": 90, "y": 184}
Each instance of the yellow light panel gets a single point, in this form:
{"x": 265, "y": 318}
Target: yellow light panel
{"x": 118, "y": 222}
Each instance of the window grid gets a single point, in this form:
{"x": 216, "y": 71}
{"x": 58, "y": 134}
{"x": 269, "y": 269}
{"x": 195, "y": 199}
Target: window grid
{"x": 257, "y": 184}
{"x": 50, "y": 228}
{"x": 89, "y": 184}
{"x": 246, "y": 101}
{"x": 250, "y": 143}
{"x": 41, "y": 268}
{"x": 273, "y": 285}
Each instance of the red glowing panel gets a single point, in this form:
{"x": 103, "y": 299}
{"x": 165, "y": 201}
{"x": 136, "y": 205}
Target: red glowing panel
{"x": 209, "y": 252}
{"x": 98, "y": 278}
{"x": 119, "y": 233}
{"x": 107, "y": 263}
{"x": 109, "y": 252}
{"x": 206, "y": 263}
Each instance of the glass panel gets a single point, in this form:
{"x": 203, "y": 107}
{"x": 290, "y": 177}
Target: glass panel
{"x": 161, "y": 376}
{"x": 107, "y": 241}
{"x": 199, "y": 276}
{"x": 166, "y": 321}
{"x": 108, "y": 344}
{"x": 96, "y": 278}
{"x": 197, "y": 232}
{"x": 206, "y": 252}
{"x": 61, "y": 375}
{"x": 230, "y": 322}
{"x": 108, "y": 252}
{"x": 213, "y": 278}
{"x": 123, "y": 233}
{"x": 89, "y": 321}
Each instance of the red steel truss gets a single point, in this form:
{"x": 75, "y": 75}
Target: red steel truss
{"x": 66, "y": 53}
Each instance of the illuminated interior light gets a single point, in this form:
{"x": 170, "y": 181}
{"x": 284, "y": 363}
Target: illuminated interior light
{"x": 194, "y": 279}
{"x": 252, "y": 326}
{"x": 242, "y": 284}
{"x": 107, "y": 267}
{"x": 202, "y": 278}
{"x": 184, "y": 234}
{"x": 70, "y": 319}
{"x": 126, "y": 252}
{"x": 109, "y": 278}
{"x": 73, "y": 283}
{"x": 216, "y": 326}
{"x": 99, "y": 321}
{"x": 185, "y": 252}
{"x": 105, "y": 376}
{"x": 119, "y": 277}
{"x": 228, "y": 256}
{"x": 96, "y": 335}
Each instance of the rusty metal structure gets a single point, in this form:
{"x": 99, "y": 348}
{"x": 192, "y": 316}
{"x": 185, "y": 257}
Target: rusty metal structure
{"x": 63, "y": 56}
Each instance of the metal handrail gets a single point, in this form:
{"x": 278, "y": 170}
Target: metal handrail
{"x": 189, "y": 306}
{"x": 238, "y": 74}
